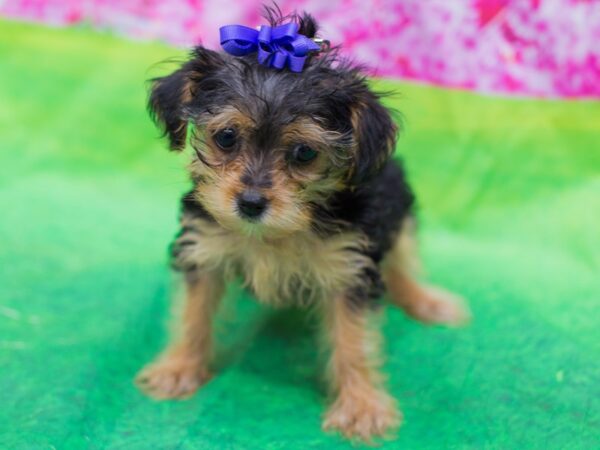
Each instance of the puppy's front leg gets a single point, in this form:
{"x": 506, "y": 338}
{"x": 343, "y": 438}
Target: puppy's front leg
{"x": 362, "y": 408}
{"x": 183, "y": 366}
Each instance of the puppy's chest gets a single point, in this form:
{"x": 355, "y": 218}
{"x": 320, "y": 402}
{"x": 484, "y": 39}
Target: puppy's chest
{"x": 299, "y": 268}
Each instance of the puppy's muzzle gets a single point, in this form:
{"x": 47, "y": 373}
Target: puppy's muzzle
{"x": 251, "y": 204}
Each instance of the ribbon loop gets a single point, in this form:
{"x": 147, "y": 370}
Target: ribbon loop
{"x": 277, "y": 47}
{"x": 238, "y": 40}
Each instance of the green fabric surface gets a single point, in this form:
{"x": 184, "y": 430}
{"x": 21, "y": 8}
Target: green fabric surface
{"x": 509, "y": 195}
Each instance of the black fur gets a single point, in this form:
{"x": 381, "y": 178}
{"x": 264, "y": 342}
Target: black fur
{"x": 377, "y": 197}
{"x": 166, "y": 101}
{"x": 377, "y": 208}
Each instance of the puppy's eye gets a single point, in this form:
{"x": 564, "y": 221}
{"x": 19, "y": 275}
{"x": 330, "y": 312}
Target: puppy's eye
{"x": 303, "y": 154}
{"x": 225, "y": 138}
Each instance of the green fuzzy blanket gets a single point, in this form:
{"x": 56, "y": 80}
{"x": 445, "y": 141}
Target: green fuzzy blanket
{"x": 509, "y": 200}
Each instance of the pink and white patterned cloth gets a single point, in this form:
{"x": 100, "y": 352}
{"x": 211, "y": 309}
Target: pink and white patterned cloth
{"x": 520, "y": 47}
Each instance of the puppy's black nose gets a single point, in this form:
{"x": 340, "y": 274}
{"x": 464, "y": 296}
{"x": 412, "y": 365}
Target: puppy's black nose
{"x": 251, "y": 204}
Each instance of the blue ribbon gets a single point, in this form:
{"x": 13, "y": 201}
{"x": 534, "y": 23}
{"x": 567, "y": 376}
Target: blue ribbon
{"x": 277, "y": 47}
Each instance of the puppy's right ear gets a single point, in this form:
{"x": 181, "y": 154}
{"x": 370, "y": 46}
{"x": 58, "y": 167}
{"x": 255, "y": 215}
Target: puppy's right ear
{"x": 170, "y": 95}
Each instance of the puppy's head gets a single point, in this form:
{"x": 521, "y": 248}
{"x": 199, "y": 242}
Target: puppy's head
{"x": 270, "y": 145}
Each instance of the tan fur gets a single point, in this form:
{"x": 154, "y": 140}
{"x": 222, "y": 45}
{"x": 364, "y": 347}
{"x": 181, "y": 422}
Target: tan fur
{"x": 305, "y": 130}
{"x": 277, "y": 270}
{"x": 183, "y": 367}
{"x": 186, "y": 93}
{"x": 355, "y": 119}
{"x": 185, "y": 97}
{"x": 287, "y": 213}
{"x": 230, "y": 117}
{"x": 404, "y": 252}
{"x": 362, "y": 408}
{"x": 428, "y": 304}
{"x": 294, "y": 189}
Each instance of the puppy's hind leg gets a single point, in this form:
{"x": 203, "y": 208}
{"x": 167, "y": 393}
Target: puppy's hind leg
{"x": 183, "y": 366}
{"x": 425, "y": 303}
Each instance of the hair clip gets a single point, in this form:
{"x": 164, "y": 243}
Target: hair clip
{"x": 323, "y": 43}
{"x": 277, "y": 47}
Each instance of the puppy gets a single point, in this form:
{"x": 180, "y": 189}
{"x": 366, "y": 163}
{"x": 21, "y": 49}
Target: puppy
{"x": 294, "y": 192}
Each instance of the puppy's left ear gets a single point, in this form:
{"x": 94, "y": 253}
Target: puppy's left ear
{"x": 375, "y": 136}
{"x": 170, "y": 95}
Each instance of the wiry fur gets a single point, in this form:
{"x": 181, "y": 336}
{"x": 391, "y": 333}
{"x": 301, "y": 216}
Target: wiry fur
{"x": 302, "y": 269}
{"x": 332, "y": 235}
{"x": 362, "y": 408}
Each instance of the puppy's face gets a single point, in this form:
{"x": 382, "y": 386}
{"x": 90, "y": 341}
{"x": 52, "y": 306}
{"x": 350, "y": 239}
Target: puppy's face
{"x": 261, "y": 176}
{"x": 270, "y": 146}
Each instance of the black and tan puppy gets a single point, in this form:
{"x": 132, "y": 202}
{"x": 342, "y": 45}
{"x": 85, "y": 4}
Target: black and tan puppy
{"x": 295, "y": 193}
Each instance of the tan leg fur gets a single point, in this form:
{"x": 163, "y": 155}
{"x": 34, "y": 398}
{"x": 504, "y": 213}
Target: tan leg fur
{"x": 427, "y": 304}
{"x": 362, "y": 408}
{"x": 183, "y": 366}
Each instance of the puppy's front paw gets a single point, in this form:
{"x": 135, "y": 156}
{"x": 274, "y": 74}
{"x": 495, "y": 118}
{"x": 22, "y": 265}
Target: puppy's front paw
{"x": 437, "y": 306}
{"x": 172, "y": 377}
{"x": 363, "y": 417}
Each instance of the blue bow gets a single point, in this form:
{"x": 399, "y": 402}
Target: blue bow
{"x": 277, "y": 46}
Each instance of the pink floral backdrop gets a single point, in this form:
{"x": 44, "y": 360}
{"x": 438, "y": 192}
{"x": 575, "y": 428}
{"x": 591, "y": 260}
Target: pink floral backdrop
{"x": 521, "y": 47}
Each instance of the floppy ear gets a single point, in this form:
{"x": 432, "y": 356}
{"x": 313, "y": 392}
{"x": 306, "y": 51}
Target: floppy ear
{"x": 375, "y": 135}
{"x": 170, "y": 95}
